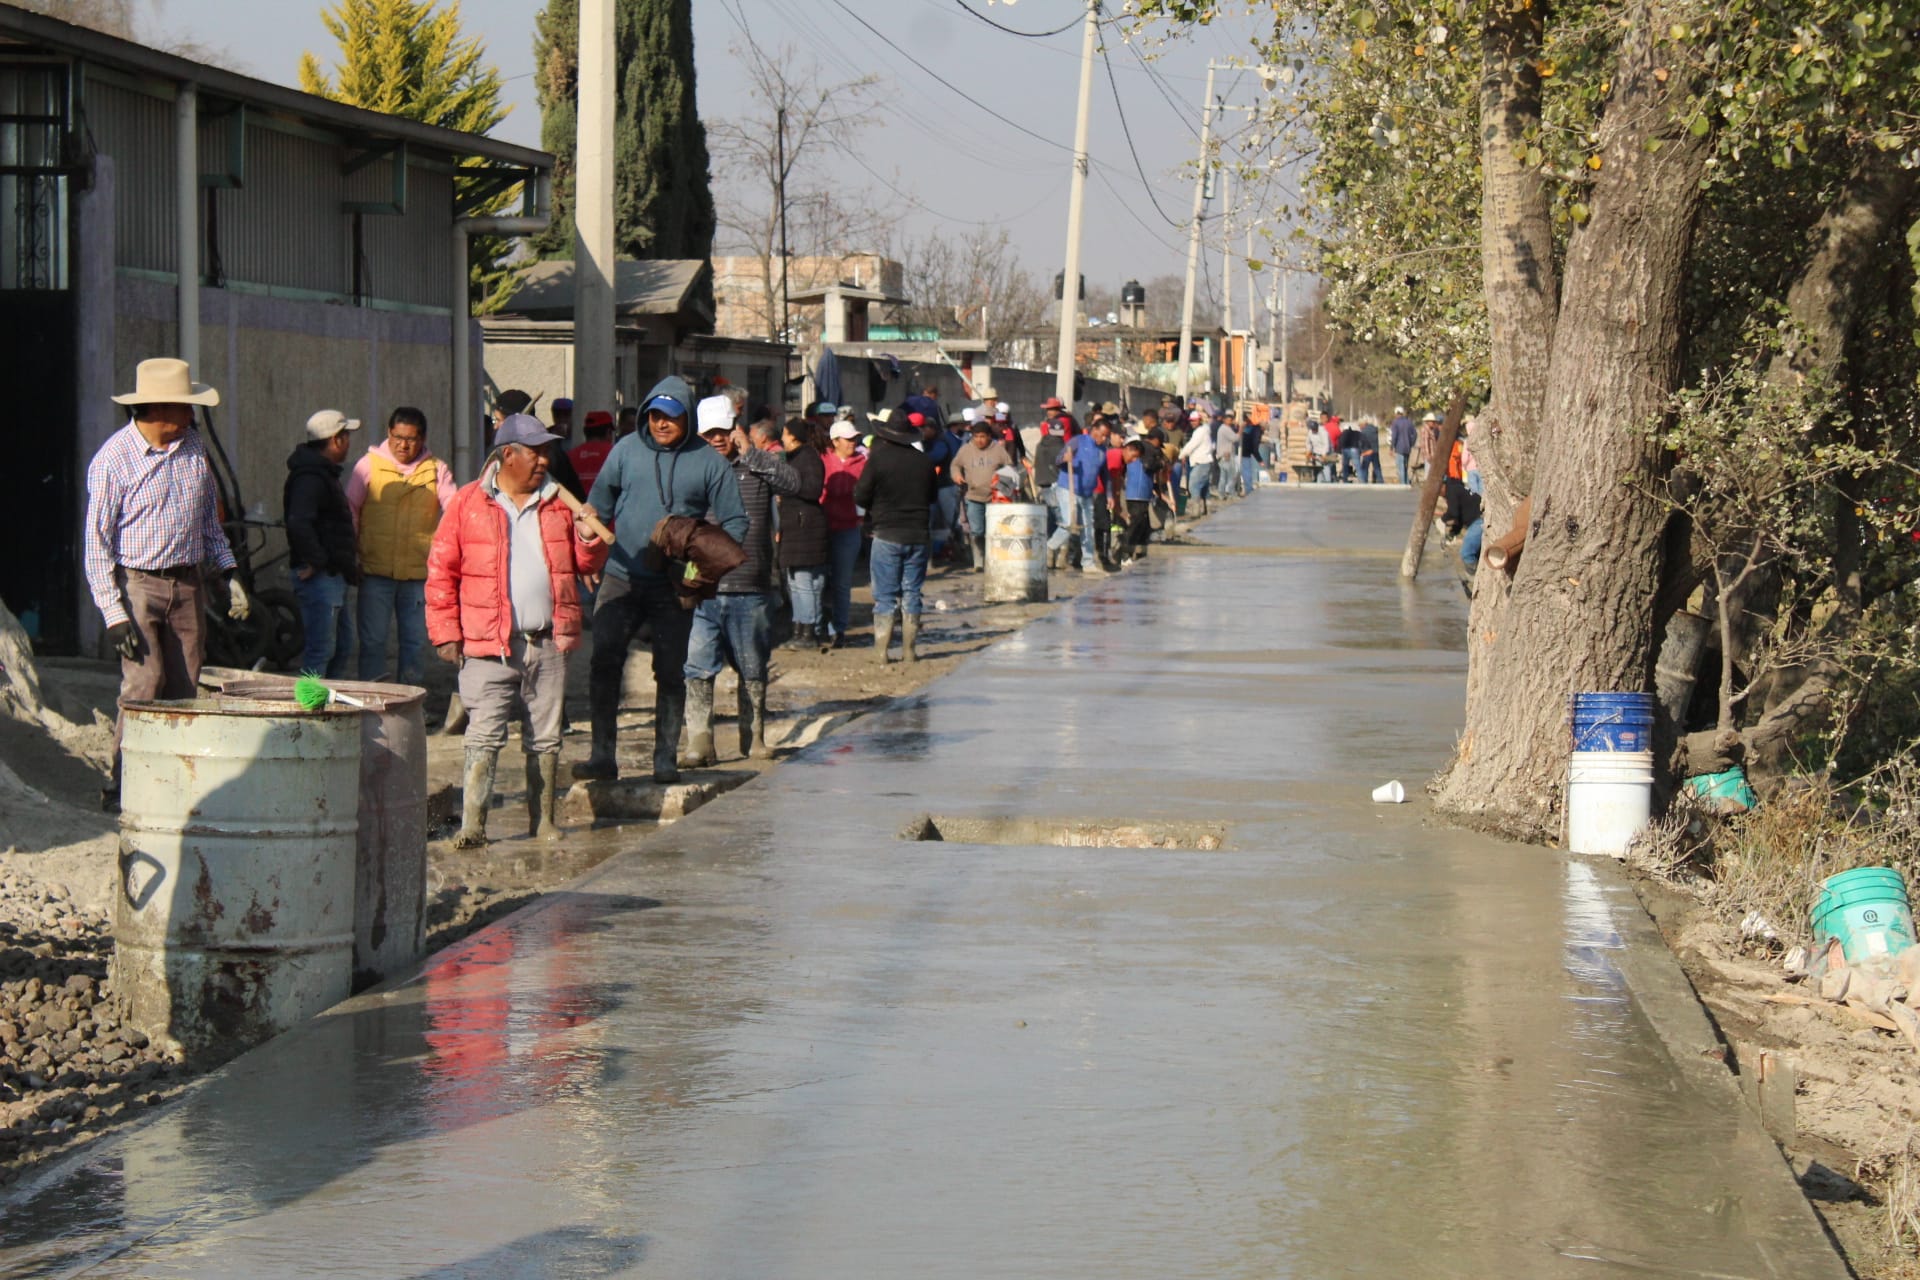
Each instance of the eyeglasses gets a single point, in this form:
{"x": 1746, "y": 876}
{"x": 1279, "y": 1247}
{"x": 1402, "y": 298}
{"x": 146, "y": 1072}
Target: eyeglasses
{"x": 396, "y": 438}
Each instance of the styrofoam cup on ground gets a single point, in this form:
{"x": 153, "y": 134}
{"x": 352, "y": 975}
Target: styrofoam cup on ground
{"x": 1389, "y": 793}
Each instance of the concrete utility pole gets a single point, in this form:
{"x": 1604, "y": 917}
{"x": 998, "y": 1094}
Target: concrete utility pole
{"x": 1226, "y": 253}
{"x": 1076, "y": 199}
{"x": 186, "y": 144}
{"x": 1182, "y": 373}
{"x": 593, "y": 265}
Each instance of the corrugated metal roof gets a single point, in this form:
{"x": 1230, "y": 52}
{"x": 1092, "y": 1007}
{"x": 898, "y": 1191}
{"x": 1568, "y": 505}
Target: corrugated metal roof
{"x": 662, "y": 287}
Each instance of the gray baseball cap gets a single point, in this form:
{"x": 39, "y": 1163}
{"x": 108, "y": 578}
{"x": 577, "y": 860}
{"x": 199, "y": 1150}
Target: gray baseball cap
{"x": 522, "y": 428}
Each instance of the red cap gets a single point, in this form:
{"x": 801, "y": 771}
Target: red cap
{"x": 917, "y": 419}
{"x": 599, "y": 418}
{"x": 1052, "y": 402}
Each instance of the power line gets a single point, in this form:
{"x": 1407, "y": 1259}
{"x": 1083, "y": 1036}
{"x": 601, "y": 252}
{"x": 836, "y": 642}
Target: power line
{"x": 1127, "y": 132}
{"x": 1014, "y": 31}
{"x": 1006, "y": 120}
{"x": 1166, "y": 91}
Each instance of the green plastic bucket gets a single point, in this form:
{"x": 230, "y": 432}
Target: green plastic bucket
{"x": 1866, "y": 909}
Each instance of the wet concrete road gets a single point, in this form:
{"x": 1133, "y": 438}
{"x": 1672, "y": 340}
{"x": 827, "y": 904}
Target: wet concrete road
{"x": 774, "y": 1040}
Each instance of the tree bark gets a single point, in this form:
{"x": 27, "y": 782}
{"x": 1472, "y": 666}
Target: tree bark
{"x": 1580, "y": 616}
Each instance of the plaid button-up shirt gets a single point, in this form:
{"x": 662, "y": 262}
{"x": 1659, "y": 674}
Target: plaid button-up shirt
{"x": 151, "y": 509}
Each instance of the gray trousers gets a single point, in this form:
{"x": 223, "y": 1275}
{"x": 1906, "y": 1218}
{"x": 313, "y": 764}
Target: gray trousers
{"x": 533, "y": 676}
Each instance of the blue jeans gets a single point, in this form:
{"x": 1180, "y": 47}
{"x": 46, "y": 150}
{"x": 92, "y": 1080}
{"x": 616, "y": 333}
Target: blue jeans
{"x": 1370, "y": 469}
{"x": 1249, "y": 471}
{"x": 730, "y": 630}
{"x": 1060, "y": 498}
{"x": 1400, "y": 461}
{"x": 844, "y": 544}
{"x": 1475, "y": 485}
{"x": 384, "y": 601}
{"x": 1470, "y": 545}
{"x": 899, "y": 569}
{"x": 807, "y": 586}
{"x": 328, "y": 624}
{"x": 945, "y": 511}
{"x": 976, "y": 519}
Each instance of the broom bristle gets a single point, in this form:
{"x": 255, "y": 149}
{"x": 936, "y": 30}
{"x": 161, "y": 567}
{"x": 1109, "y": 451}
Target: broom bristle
{"x": 309, "y": 692}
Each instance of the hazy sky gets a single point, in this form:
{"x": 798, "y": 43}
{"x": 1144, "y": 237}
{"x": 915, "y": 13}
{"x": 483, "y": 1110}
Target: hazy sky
{"x": 958, "y": 165}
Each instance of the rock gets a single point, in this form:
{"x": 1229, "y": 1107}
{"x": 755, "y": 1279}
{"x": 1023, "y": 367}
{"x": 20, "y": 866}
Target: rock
{"x": 112, "y": 1053}
{"x": 81, "y": 984}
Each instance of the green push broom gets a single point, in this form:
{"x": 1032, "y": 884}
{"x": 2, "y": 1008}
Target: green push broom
{"x": 312, "y": 694}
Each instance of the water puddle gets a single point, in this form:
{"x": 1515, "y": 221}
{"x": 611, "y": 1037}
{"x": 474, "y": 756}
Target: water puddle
{"x": 1067, "y": 833}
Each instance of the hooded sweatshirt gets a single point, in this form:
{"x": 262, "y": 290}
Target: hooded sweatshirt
{"x": 319, "y": 521}
{"x": 643, "y": 483}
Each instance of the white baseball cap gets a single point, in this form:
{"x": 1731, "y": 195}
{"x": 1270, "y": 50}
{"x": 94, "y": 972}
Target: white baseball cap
{"x": 328, "y": 423}
{"x": 843, "y": 431}
{"x": 967, "y": 414}
{"x": 715, "y": 413}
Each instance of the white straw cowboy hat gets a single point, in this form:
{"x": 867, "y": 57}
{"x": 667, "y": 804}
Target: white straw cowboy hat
{"x": 166, "y": 381}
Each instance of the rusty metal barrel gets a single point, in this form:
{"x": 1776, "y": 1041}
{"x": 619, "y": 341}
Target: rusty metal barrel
{"x": 390, "y": 855}
{"x": 233, "y": 915}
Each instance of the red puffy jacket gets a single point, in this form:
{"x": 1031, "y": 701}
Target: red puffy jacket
{"x": 467, "y": 588}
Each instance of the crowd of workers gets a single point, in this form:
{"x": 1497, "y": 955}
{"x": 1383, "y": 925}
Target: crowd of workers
{"x": 712, "y": 529}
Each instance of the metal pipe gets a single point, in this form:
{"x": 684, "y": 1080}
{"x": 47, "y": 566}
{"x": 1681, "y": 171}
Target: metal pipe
{"x": 186, "y": 146}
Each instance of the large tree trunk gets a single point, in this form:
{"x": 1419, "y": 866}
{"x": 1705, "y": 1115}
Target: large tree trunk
{"x": 1581, "y": 612}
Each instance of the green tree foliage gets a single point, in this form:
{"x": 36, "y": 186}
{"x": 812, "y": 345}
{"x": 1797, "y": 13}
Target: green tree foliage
{"x": 663, "y": 199}
{"x": 1463, "y": 152}
{"x": 409, "y": 58}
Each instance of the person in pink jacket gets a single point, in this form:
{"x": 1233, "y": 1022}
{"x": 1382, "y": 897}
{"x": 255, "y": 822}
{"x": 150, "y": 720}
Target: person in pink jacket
{"x": 501, "y": 602}
{"x": 397, "y": 493}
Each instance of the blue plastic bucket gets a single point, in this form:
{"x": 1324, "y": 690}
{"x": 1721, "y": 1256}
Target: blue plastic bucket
{"x": 1866, "y": 909}
{"x": 1613, "y": 722}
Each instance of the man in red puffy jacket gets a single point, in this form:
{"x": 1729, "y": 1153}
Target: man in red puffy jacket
{"x": 501, "y": 602}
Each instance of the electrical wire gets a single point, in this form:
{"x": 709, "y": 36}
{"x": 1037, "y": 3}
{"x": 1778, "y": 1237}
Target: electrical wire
{"x": 1014, "y": 31}
{"x": 1126, "y": 131}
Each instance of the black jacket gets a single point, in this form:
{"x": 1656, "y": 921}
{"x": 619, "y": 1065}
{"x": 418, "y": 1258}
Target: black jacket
{"x": 1463, "y": 506}
{"x": 1046, "y": 460}
{"x": 762, "y": 475}
{"x": 803, "y": 521}
{"x": 896, "y": 489}
{"x": 319, "y": 522}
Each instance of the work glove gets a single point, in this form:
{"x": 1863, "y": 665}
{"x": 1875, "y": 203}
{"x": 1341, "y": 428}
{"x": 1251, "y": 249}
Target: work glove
{"x": 239, "y": 608}
{"x": 125, "y": 639}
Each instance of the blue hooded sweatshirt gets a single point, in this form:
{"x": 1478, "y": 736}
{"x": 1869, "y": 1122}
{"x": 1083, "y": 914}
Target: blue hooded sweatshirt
{"x": 643, "y": 483}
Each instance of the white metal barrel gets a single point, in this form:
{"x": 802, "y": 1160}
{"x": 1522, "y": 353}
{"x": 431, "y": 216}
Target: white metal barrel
{"x": 233, "y": 915}
{"x": 1016, "y": 552}
{"x": 390, "y": 870}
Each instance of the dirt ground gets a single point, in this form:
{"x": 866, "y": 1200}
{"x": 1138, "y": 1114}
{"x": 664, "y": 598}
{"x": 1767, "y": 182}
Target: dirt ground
{"x": 70, "y": 1070}
{"x": 1857, "y": 1097}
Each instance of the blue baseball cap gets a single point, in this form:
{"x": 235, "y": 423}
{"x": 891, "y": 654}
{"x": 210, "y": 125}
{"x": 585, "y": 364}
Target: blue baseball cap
{"x": 667, "y": 405}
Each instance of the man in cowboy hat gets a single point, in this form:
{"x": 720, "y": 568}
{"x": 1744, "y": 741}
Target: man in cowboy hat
{"x": 153, "y": 521}
{"x": 896, "y": 488}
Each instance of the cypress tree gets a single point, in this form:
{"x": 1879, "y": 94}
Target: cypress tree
{"x": 663, "y": 201}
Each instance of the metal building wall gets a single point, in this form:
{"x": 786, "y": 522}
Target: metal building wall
{"x": 285, "y": 228}
{"x": 406, "y": 255}
{"x": 136, "y": 129}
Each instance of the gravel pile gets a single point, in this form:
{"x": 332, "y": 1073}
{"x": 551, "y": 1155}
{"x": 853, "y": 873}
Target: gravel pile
{"x": 68, "y": 1067}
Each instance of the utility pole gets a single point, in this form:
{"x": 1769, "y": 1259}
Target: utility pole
{"x": 1183, "y": 373}
{"x": 1226, "y": 252}
{"x": 593, "y": 265}
{"x": 786, "y": 260}
{"x": 1076, "y": 199}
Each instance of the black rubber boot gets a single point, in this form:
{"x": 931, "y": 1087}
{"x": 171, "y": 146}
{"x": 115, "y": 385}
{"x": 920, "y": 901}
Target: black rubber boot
{"x": 603, "y": 764}
{"x": 669, "y": 715}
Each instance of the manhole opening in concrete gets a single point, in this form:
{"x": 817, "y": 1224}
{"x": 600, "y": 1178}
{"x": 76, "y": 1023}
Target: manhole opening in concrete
{"x": 1068, "y": 833}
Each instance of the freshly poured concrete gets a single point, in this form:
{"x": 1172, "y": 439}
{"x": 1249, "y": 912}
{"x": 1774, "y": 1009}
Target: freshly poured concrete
{"x": 774, "y": 1040}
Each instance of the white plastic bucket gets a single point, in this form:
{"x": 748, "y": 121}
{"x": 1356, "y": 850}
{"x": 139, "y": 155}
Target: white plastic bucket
{"x": 1609, "y": 799}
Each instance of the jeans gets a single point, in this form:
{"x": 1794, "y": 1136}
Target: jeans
{"x": 1470, "y": 545}
{"x": 844, "y": 546}
{"x": 977, "y": 519}
{"x": 1060, "y": 498}
{"x": 1370, "y": 469}
{"x": 384, "y": 601}
{"x": 730, "y": 630}
{"x": 946, "y": 510}
{"x": 1249, "y": 473}
{"x": 328, "y": 623}
{"x": 1089, "y": 526}
{"x": 1400, "y": 461}
{"x": 1350, "y": 463}
{"x": 1200, "y": 480}
{"x": 1329, "y": 469}
{"x": 1475, "y": 485}
{"x": 899, "y": 569}
{"x": 807, "y": 586}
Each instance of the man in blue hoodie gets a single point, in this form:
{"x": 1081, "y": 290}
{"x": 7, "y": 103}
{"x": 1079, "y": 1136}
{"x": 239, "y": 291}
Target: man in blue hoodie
{"x": 659, "y": 471}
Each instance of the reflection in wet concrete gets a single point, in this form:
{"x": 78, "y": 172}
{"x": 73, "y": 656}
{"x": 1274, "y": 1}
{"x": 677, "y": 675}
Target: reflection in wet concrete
{"x": 776, "y": 1041}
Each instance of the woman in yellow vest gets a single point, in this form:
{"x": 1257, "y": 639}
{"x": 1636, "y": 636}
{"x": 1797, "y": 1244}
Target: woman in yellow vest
{"x": 397, "y": 492}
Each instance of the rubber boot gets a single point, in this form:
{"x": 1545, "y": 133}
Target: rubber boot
{"x": 603, "y": 763}
{"x": 543, "y": 794}
{"x": 883, "y": 637}
{"x": 909, "y": 632}
{"x": 476, "y": 797}
{"x": 699, "y": 751}
{"x": 979, "y": 555}
{"x": 669, "y": 715}
{"x": 753, "y": 720}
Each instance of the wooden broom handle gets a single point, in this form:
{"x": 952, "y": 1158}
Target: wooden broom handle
{"x": 586, "y": 513}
